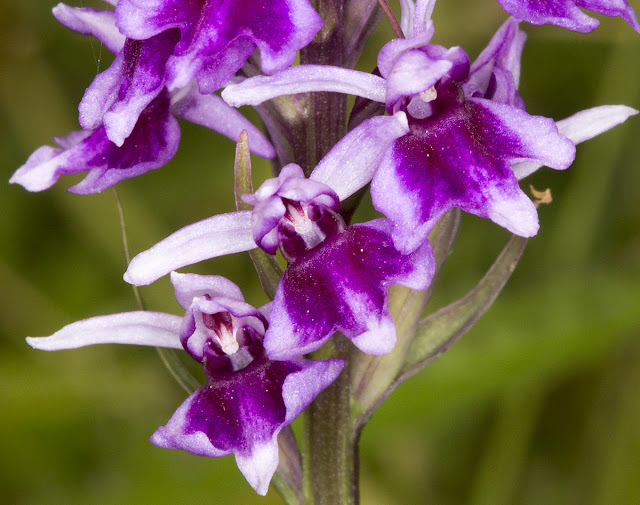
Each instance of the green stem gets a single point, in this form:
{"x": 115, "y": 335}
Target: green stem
{"x": 171, "y": 359}
{"x": 125, "y": 246}
{"x": 327, "y": 111}
{"x": 330, "y": 452}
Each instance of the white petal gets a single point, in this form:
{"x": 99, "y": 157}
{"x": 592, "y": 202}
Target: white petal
{"x": 586, "y": 124}
{"x": 139, "y": 328}
{"x": 583, "y": 125}
{"x": 302, "y": 79}
{"x": 351, "y": 163}
{"x": 216, "y": 236}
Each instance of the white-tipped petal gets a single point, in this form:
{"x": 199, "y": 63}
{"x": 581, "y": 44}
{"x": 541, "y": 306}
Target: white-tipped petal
{"x": 583, "y": 125}
{"x": 586, "y": 124}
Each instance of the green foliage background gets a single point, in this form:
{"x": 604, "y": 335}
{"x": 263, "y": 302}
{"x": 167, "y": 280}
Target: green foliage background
{"x": 539, "y": 403}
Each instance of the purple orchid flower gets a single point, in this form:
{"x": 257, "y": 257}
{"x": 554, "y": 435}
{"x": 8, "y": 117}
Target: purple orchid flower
{"x": 216, "y": 38}
{"x": 466, "y": 129}
{"x": 170, "y": 43}
{"x": 338, "y": 275}
{"x": 567, "y": 13}
{"x": 247, "y": 398}
{"x": 117, "y": 144}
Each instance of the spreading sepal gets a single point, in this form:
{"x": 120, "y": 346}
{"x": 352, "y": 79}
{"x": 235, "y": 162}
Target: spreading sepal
{"x": 106, "y": 163}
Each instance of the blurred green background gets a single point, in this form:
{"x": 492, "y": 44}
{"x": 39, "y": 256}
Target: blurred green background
{"x": 538, "y": 404}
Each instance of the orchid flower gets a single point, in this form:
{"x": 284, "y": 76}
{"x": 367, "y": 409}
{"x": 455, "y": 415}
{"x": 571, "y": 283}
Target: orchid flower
{"x": 133, "y": 130}
{"x": 337, "y": 277}
{"x": 170, "y": 43}
{"x": 216, "y": 38}
{"x": 467, "y": 135}
{"x": 247, "y": 398}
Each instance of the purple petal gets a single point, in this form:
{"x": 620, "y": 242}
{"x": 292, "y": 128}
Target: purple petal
{"x": 582, "y": 126}
{"x": 461, "y": 157}
{"x": 496, "y": 72}
{"x": 413, "y": 72}
{"x": 422, "y": 16}
{"x": 152, "y": 144}
{"x": 243, "y": 413}
{"x": 566, "y": 14}
{"x": 396, "y": 47}
{"x": 138, "y": 328}
{"x": 218, "y": 70}
{"x": 196, "y": 333}
{"x": 412, "y": 66}
{"x": 351, "y": 163}
{"x": 100, "y": 24}
{"x": 504, "y": 50}
{"x": 212, "y": 237}
{"x": 341, "y": 285}
{"x": 264, "y": 224}
{"x": 188, "y": 286}
{"x": 118, "y": 95}
{"x": 269, "y": 208}
{"x": 300, "y": 389}
{"x": 210, "y": 29}
{"x": 303, "y": 79}
{"x": 537, "y": 136}
{"x": 211, "y": 111}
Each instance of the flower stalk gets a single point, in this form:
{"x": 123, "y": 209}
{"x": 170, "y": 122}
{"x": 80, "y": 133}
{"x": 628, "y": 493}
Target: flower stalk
{"x": 326, "y": 121}
{"x": 331, "y": 436}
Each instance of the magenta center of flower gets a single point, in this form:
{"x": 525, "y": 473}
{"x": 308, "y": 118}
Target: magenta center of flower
{"x": 296, "y": 215}
{"x": 220, "y": 326}
{"x": 301, "y": 228}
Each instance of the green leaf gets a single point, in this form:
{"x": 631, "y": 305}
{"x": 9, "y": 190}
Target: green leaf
{"x": 442, "y": 329}
{"x": 288, "y": 478}
{"x": 267, "y": 267}
{"x": 178, "y": 369}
